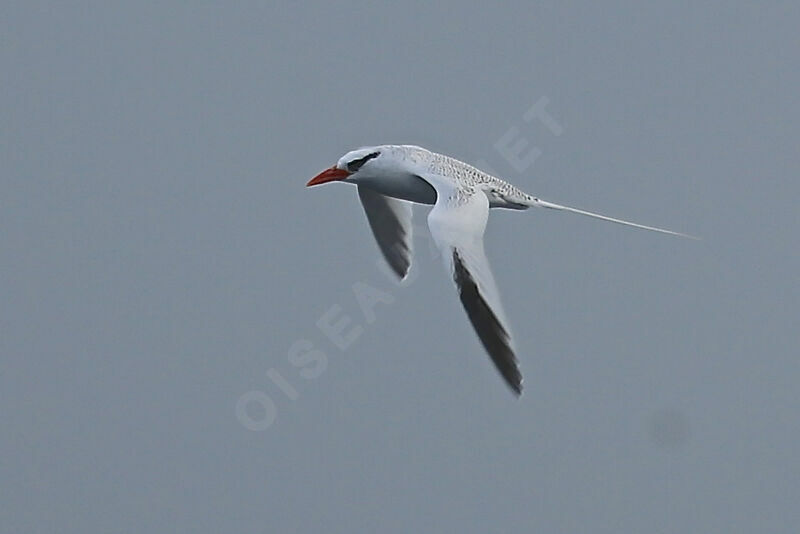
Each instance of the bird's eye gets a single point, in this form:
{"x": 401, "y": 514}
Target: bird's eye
{"x": 356, "y": 164}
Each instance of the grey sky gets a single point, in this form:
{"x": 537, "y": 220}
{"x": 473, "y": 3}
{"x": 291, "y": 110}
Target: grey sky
{"x": 159, "y": 257}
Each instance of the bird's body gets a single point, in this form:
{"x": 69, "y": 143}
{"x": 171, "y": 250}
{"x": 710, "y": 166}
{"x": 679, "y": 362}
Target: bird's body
{"x": 391, "y": 180}
{"x": 389, "y": 177}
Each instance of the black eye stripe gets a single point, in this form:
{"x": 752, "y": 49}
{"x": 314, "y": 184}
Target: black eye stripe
{"x": 356, "y": 164}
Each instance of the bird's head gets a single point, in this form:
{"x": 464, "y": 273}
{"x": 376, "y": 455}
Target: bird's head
{"x": 355, "y": 166}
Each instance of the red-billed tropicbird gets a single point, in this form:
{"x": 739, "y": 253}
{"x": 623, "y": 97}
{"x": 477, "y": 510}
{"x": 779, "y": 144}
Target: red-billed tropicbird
{"x": 390, "y": 177}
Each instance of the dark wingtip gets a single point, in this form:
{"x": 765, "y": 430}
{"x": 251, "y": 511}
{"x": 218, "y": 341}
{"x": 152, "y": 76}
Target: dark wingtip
{"x": 492, "y": 334}
{"x": 400, "y": 266}
{"x": 513, "y": 378}
{"x": 516, "y": 388}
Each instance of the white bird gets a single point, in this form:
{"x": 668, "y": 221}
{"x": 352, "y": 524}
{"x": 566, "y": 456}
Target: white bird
{"x": 390, "y": 177}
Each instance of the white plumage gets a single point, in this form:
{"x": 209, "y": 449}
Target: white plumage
{"x": 390, "y": 176}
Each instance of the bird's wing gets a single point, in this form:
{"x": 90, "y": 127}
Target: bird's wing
{"x": 457, "y": 222}
{"x": 390, "y": 220}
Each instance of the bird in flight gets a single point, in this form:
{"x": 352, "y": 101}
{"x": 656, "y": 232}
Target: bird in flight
{"x": 391, "y": 177}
